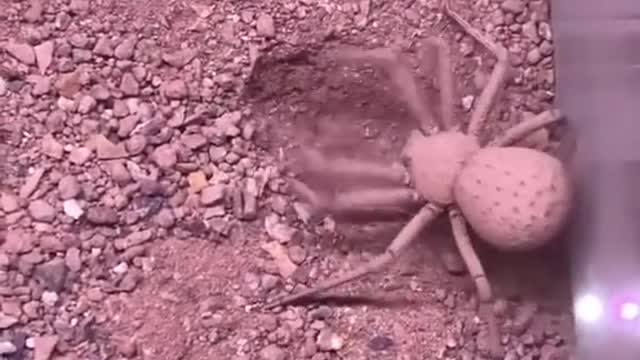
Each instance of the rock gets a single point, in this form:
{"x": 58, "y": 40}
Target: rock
{"x": 119, "y": 173}
{"x": 127, "y": 347}
{"x": 68, "y": 187}
{"x": 328, "y": 340}
{"x": 106, "y": 150}
{"x": 180, "y": 58}
{"x": 31, "y": 183}
{"x": 51, "y": 147}
{"x": 7, "y": 321}
{"x": 79, "y": 6}
{"x": 68, "y": 84}
{"x": 9, "y": 202}
{"x": 52, "y": 274}
{"x": 297, "y": 254}
{"x": 19, "y": 241}
{"x": 44, "y": 346}
{"x": 49, "y": 298}
{"x": 217, "y": 153}
{"x": 100, "y": 92}
{"x": 175, "y": 89}
{"x": 272, "y": 352}
{"x": 102, "y": 215}
{"x": 79, "y": 40}
{"x": 513, "y": 6}
{"x": 285, "y": 266}
{"x": 534, "y": 56}
{"x": 380, "y": 343}
{"x": 130, "y": 281}
{"x": 197, "y": 181}
{"x": 22, "y": 52}
{"x": 134, "y": 239}
{"x": 265, "y": 25}
{"x": 41, "y": 85}
{"x": 34, "y": 13}
{"x": 4, "y": 86}
{"x": 127, "y": 125}
{"x": 124, "y": 51}
{"x": 41, "y": 210}
{"x": 194, "y": 141}
{"x": 51, "y": 244}
{"x": 79, "y": 155}
{"x": 7, "y": 348}
{"x": 165, "y": 157}
{"x": 73, "y": 209}
{"x": 104, "y": 47}
{"x": 129, "y": 85}
{"x": 277, "y": 230}
{"x": 165, "y": 218}
{"x": 212, "y": 195}
{"x": 72, "y": 259}
{"x": 86, "y": 104}
{"x": 44, "y": 55}
{"x": 136, "y": 144}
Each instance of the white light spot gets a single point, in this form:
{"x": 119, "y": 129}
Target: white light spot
{"x": 588, "y": 308}
{"x": 630, "y": 311}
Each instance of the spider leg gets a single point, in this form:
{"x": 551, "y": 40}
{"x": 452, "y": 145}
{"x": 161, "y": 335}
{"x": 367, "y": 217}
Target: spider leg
{"x": 319, "y": 165}
{"x": 375, "y": 203}
{"x": 445, "y": 80}
{"x": 496, "y": 80}
{"x": 526, "y": 127}
{"x": 401, "y": 76}
{"x": 405, "y": 237}
{"x": 463, "y": 242}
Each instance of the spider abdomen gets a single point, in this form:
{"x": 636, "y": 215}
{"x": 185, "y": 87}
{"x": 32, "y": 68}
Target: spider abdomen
{"x": 514, "y": 198}
{"x": 436, "y": 160}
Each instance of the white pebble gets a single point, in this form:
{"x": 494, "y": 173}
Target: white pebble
{"x": 467, "y": 102}
{"x": 121, "y": 268}
{"x": 49, "y": 298}
{"x": 72, "y": 208}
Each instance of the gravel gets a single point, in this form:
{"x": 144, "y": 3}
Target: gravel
{"x": 144, "y": 191}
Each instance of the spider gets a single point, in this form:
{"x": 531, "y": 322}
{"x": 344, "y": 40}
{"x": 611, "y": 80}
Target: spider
{"x": 515, "y": 198}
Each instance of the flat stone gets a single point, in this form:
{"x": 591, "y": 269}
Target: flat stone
{"x": 129, "y": 85}
{"x": 102, "y": 215}
{"x": 7, "y": 321}
{"x": 212, "y": 195}
{"x": 165, "y": 157}
{"x": 41, "y": 210}
{"x": 180, "y": 58}
{"x": 18, "y": 241}
{"x": 22, "y": 52}
{"x": 79, "y": 155}
{"x": 265, "y": 25}
{"x": 9, "y": 202}
{"x": 31, "y": 184}
{"x": 44, "y": 346}
{"x": 175, "y": 89}
{"x": 68, "y": 187}
{"x": 44, "y": 55}
{"x": 106, "y": 150}
{"x": 52, "y": 274}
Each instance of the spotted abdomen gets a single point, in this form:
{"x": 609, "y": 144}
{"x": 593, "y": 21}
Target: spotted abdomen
{"x": 514, "y": 198}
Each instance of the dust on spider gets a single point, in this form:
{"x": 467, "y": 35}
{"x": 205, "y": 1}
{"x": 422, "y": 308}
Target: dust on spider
{"x": 515, "y": 198}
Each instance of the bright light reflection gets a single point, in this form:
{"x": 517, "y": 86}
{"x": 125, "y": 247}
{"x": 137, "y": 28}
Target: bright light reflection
{"x": 630, "y": 311}
{"x": 588, "y": 308}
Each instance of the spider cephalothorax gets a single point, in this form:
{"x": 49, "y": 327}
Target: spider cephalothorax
{"x": 515, "y": 198}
